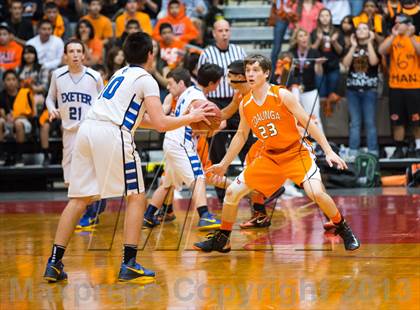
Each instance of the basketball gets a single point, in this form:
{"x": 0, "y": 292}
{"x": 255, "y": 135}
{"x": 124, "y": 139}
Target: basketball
{"x": 215, "y": 120}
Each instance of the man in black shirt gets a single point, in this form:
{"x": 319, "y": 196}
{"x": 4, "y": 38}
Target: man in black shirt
{"x": 21, "y": 27}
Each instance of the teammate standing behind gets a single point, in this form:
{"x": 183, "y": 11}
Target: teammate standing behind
{"x": 75, "y": 88}
{"x": 272, "y": 113}
{"x": 183, "y": 164}
{"x": 105, "y": 162}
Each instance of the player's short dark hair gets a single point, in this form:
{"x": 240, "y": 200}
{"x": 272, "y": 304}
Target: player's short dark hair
{"x": 237, "y": 67}
{"x": 50, "y": 5}
{"x": 9, "y": 71}
{"x": 137, "y": 47}
{"x": 191, "y": 61}
{"x": 76, "y": 41}
{"x": 209, "y": 73}
{"x": 174, "y": 2}
{"x": 263, "y": 61}
{"x": 163, "y": 26}
{"x": 180, "y": 74}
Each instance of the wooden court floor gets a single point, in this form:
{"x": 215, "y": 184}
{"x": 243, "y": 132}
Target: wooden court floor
{"x": 291, "y": 265}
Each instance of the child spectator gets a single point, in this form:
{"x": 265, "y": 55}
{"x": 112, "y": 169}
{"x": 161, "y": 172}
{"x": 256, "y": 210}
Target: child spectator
{"x": 362, "y": 82}
{"x": 20, "y": 27}
{"x": 307, "y": 12}
{"x": 403, "y": 47}
{"x": 10, "y": 51}
{"x": 131, "y": 12}
{"x": 330, "y": 43}
{"x": 101, "y": 24}
{"x": 50, "y": 48}
{"x": 54, "y": 16}
{"x": 94, "y": 46}
{"x": 182, "y": 25}
{"x": 172, "y": 49}
{"x": 16, "y": 110}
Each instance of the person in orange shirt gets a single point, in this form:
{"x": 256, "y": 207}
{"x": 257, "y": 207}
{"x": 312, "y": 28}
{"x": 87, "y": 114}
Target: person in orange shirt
{"x": 10, "y": 51}
{"x": 182, "y": 25}
{"x": 86, "y": 34}
{"x": 403, "y": 47}
{"x": 130, "y": 12}
{"x": 53, "y": 15}
{"x": 101, "y": 23}
{"x": 172, "y": 50}
{"x": 370, "y": 16}
{"x": 272, "y": 113}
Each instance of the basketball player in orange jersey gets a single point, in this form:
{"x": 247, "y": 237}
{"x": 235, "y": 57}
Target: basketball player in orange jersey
{"x": 272, "y": 113}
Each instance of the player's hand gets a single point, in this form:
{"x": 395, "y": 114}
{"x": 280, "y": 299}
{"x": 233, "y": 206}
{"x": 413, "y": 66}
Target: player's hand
{"x": 217, "y": 169}
{"x": 199, "y": 114}
{"x": 54, "y": 114}
{"x": 332, "y": 158}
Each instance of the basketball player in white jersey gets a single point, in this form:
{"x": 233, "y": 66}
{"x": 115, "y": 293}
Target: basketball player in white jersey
{"x": 74, "y": 88}
{"x": 105, "y": 162}
{"x": 182, "y": 162}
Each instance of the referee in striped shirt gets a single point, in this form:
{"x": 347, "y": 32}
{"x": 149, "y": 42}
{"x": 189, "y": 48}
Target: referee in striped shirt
{"x": 222, "y": 53}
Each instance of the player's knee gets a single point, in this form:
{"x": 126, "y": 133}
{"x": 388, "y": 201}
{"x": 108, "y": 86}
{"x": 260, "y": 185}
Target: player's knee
{"x": 234, "y": 193}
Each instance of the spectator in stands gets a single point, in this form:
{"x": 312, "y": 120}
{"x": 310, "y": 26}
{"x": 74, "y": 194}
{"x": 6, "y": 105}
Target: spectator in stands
{"x": 131, "y": 12}
{"x": 339, "y": 9}
{"x": 223, "y": 53}
{"x": 102, "y": 70}
{"x": 307, "y": 65}
{"x": 330, "y": 43}
{"x": 151, "y": 8}
{"x": 307, "y": 12}
{"x": 403, "y": 47}
{"x": 54, "y": 16}
{"x": 390, "y": 8}
{"x": 182, "y": 25}
{"x": 10, "y": 51}
{"x": 21, "y": 27}
{"x": 172, "y": 50}
{"x": 70, "y": 10}
{"x": 191, "y": 64}
{"x": 115, "y": 60}
{"x": 101, "y": 23}
{"x": 94, "y": 46}
{"x": 370, "y": 16}
{"x": 280, "y": 16}
{"x": 132, "y": 26}
{"x": 49, "y": 47}
{"x": 16, "y": 110}
{"x": 159, "y": 71}
{"x": 32, "y": 75}
{"x": 347, "y": 29}
{"x": 412, "y": 8}
{"x": 362, "y": 61}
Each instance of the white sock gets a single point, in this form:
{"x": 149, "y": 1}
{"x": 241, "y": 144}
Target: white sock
{"x": 417, "y": 143}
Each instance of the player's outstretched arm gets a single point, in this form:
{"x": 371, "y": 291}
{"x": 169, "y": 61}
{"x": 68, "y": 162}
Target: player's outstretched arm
{"x": 236, "y": 145}
{"x": 303, "y": 118}
{"x": 232, "y": 107}
{"x": 161, "y": 122}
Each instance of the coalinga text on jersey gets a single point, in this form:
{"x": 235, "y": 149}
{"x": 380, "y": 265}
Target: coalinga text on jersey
{"x": 76, "y": 97}
{"x": 264, "y": 116}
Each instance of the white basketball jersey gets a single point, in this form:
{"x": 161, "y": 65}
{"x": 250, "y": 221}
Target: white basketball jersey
{"x": 121, "y": 101}
{"x": 183, "y": 135}
{"x": 74, "y": 94}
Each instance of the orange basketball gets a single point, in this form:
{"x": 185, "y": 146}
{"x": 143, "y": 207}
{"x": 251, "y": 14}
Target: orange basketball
{"x": 202, "y": 127}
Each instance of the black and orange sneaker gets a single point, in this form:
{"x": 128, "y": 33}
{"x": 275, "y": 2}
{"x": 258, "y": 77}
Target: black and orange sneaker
{"x": 258, "y": 220}
{"x": 351, "y": 242}
{"x": 214, "y": 242}
{"x": 54, "y": 272}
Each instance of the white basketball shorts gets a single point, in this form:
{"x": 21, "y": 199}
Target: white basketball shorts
{"x": 105, "y": 162}
{"x": 182, "y": 165}
{"x": 69, "y": 139}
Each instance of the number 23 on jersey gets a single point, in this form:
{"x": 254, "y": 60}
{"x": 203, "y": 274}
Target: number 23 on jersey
{"x": 268, "y": 130}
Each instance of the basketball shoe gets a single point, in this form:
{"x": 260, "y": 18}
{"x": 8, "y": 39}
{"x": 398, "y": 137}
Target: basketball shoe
{"x": 351, "y": 242}
{"x": 258, "y": 220}
{"x": 214, "y": 242}
{"x": 55, "y": 272}
{"x": 150, "y": 222}
{"x": 208, "y": 221}
{"x": 134, "y": 272}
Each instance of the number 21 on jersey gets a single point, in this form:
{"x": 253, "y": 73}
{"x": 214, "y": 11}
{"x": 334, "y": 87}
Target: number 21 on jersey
{"x": 268, "y": 131}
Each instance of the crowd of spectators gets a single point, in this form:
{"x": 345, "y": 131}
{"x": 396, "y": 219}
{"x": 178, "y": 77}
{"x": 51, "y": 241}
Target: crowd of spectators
{"x": 358, "y": 44}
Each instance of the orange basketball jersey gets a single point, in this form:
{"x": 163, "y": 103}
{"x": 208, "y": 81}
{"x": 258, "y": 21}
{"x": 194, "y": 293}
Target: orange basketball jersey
{"x": 271, "y": 122}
